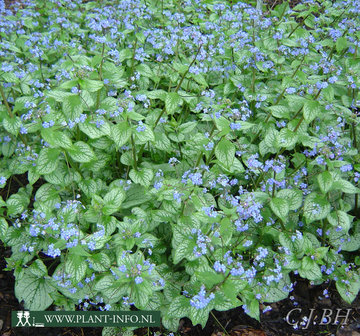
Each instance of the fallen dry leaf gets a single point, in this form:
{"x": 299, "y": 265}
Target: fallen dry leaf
{"x": 218, "y": 333}
{"x": 347, "y": 333}
{"x": 241, "y": 330}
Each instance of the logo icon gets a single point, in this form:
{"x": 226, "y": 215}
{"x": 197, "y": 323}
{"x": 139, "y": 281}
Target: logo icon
{"x": 26, "y": 316}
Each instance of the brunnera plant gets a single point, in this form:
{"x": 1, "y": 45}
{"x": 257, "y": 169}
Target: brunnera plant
{"x": 180, "y": 156}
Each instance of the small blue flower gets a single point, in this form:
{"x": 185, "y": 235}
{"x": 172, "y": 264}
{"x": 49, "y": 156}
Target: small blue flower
{"x": 346, "y": 168}
{"x": 200, "y": 301}
{"x": 219, "y": 267}
{"x": 23, "y": 130}
{"x": 138, "y": 280}
{"x": 141, "y": 127}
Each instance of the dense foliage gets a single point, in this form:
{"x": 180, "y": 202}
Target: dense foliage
{"x": 180, "y": 156}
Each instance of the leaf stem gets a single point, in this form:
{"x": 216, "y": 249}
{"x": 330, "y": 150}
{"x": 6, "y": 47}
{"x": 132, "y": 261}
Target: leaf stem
{"x": 217, "y": 321}
{"x": 188, "y": 69}
{"x": 11, "y": 115}
{"x": 6, "y": 102}
{"x": 134, "y": 151}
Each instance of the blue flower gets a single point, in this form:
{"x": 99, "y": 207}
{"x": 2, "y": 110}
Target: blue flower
{"x": 219, "y": 267}
{"x": 6, "y": 67}
{"x": 141, "y": 127}
{"x": 200, "y": 301}
{"x": 138, "y": 280}
{"x": 209, "y": 211}
{"x": 53, "y": 252}
{"x": 346, "y": 168}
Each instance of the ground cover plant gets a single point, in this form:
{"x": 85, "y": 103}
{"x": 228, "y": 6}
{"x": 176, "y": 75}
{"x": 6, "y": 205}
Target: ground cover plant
{"x": 180, "y": 156}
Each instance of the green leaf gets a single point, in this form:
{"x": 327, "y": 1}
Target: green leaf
{"x": 172, "y": 102}
{"x": 94, "y": 132}
{"x": 199, "y": 316}
{"x": 135, "y": 195}
{"x": 47, "y": 161}
{"x": 75, "y": 266}
{"x": 142, "y": 176}
{"x": 183, "y": 249}
{"x": 157, "y": 94}
{"x": 109, "y": 104}
{"x": 187, "y": 127}
{"x": 352, "y": 243}
{"x": 225, "y": 152}
{"x": 3, "y": 228}
{"x": 345, "y": 186}
{"x": 81, "y": 152}
{"x": 16, "y": 204}
{"x": 72, "y": 107}
{"x": 86, "y": 99}
{"x": 79, "y": 251}
{"x": 341, "y": 44}
{"x": 38, "y": 268}
{"x": 111, "y": 289}
{"x": 278, "y": 290}
{"x": 113, "y": 200}
{"x": 311, "y": 110}
{"x": 310, "y": 269}
{"x": 89, "y": 187}
{"x": 223, "y": 125}
{"x": 12, "y": 125}
{"x": 100, "y": 262}
{"x": 339, "y": 218}
{"x": 321, "y": 252}
{"x": 270, "y": 143}
{"x": 114, "y": 74}
{"x": 287, "y": 138}
{"x": 90, "y": 84}
{"x": 56, "y": 138}
{"x": 293, "y": 197}
{"x": 199, "y": 78}
{"x": 328, "y": 93}
{"x": 280, "y": 207}
{"x": 179, "y": 307}
{"x": 280, "y": 111}
{"x": 209, "y": 278}
{"x": 141, "y": 294}
{"x": 231, "y": 288}
{"x": 162, "y": 142}
{"x": 134, "y": 115}
{"x": 34, "y": 291}
{"x": 120, "y": 133}
{"x": 105, "y": 282}
{"x": 145, "y": 136}
{"x": 47, "y": 194}
{"x": 349, "y": 291}
{"x": 144, "y": 70}
{"x": 325, "y": 181}
{"x": 316, "y": 207}
{"x": 59, "y": 96}
{"x": 253, "y": 309}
